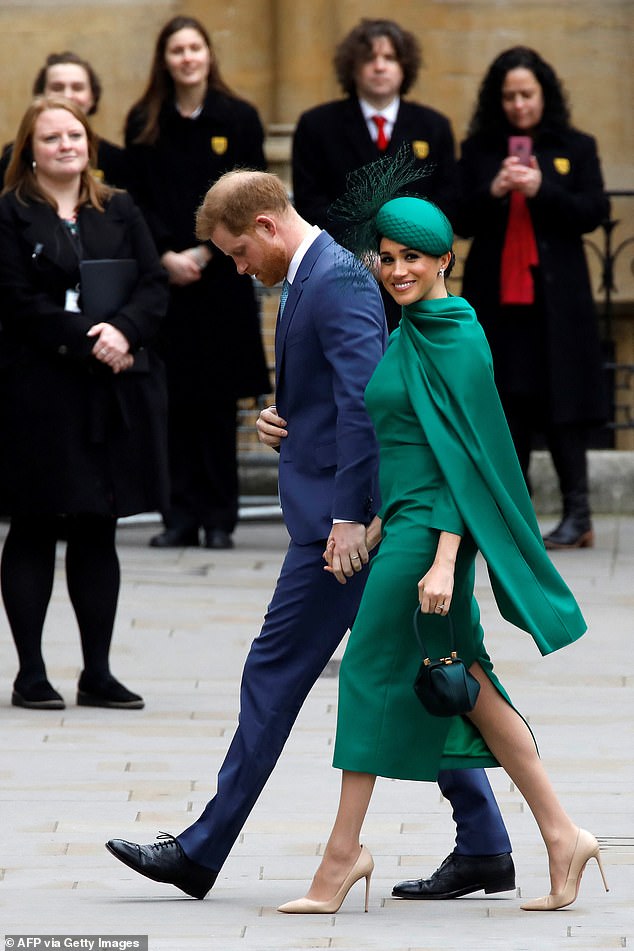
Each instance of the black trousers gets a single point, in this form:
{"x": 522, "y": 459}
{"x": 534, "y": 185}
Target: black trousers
{"x": 566, "y": 442}
{"x": 203, "y": 466}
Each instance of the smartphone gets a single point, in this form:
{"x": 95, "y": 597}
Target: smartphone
{"x": 522, "y": 147}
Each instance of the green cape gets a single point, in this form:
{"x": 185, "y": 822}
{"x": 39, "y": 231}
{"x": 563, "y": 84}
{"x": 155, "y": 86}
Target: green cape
{"x": 448, "y": 371}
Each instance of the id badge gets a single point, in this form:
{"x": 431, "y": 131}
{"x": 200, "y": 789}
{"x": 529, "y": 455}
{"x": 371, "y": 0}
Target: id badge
{"x": 71, "y": 302}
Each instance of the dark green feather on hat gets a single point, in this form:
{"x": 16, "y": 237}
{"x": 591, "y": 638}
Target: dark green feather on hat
{"x": 369, "y": 206}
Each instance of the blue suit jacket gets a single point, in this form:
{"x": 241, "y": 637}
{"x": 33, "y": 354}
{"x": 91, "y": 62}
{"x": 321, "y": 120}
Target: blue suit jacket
{"x": 328, "y": 342}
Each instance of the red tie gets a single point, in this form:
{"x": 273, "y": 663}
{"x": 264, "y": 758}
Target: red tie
{"x": 382, "y": 139}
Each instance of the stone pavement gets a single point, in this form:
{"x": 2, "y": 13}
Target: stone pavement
{"x": 70, "y": 780}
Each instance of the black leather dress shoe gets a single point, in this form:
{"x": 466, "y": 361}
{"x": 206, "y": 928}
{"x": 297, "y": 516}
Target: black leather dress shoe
{"x": 164, "y": 861}
{"x": 218, "y": 538}
{"x": 176, "y": 538}
{"x": 460, "y": 875}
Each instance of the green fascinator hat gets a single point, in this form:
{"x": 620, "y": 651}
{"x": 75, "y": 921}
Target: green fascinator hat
{"x": 415, "y": 223}
{"x": 378, "y": 201}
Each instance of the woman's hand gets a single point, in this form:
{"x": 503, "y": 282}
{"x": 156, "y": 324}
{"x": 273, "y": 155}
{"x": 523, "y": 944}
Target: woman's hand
{"x": 514, "y": 176}
{"x": 373, "y": 533}
{"x": 528, "y": 178}
{"x": 111, "y": 347}
{"x": 435, "y": 589}
{"x": 182, "y": 267}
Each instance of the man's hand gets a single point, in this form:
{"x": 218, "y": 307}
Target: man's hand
{"x": 271, "y": 427}
{"x": 346, "y": 550}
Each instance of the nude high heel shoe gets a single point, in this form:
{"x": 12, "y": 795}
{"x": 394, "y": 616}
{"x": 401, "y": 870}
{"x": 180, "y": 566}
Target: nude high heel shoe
{"x": 362, "y": 868}
{"x": 586, "y": 848}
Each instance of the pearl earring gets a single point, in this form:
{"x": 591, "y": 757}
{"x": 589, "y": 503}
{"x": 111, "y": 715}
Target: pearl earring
{"x": 441, "y": 272}
{"x": 33, "y": 165}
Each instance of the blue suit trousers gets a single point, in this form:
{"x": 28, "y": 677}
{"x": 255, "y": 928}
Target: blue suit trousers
{"x": 308, "y": 616}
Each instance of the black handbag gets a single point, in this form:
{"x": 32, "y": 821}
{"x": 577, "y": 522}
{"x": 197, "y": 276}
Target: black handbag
{"x": 444, "y": 686}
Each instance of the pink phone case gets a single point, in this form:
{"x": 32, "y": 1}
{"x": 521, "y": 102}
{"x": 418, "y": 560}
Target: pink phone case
{"x": 522, "y": 147}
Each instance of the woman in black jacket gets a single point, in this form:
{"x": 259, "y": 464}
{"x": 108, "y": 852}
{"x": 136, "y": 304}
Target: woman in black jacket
{"x": 526, "y": 274}
{"x": 185, "y": 131}
{"x": 67, "y": 74}
{"x": 82, "y": 401}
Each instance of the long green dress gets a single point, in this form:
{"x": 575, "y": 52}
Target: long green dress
{"x": 447, "y": 462}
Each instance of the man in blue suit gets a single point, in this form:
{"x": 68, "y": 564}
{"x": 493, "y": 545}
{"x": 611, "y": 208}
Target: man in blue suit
{"x": 330, "y": 336}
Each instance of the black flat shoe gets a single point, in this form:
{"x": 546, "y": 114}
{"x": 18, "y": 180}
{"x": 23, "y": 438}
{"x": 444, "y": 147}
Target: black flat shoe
{"x": 107, "y": 693}
{"x": 460, "y": 875}
{"x": 176, "y": 538}
{"x": 40, "y": 696}
{"x": 164, "y": 861}
{"x": 218, "y": 538}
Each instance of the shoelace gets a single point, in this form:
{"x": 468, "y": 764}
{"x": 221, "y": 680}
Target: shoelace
{"x": 168, "y": 841}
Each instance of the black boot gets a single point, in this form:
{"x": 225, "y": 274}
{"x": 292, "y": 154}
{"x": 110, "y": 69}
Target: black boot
{"x": 575, "y": 528}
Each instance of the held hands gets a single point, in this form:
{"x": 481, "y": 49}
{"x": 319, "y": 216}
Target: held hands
{"x": 111, "y": 347}
{"x": 513, "y": 176}
{"x": 346, "y": 550}
{"x": 271, "y": 427}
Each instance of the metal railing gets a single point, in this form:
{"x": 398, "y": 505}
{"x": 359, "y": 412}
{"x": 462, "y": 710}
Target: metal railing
{"x": 611, "y": 253}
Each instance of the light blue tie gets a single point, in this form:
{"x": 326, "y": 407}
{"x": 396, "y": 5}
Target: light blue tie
{"x": 284, "y": 295}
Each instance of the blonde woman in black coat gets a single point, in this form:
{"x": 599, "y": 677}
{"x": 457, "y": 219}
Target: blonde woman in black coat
{"x": 185, "y": 131}
{"x": 526, "y": 274}
{"x": 82, "y": 408}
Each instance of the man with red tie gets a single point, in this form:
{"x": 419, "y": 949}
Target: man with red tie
{"x": 376, "y": 64}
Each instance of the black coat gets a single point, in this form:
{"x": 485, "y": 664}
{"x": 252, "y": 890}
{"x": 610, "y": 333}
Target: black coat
{"x": 562, "y": 334}
{"x": 332, "y": 140}
{"x": 77, "y": 438}
{"x": 211, "y": 339}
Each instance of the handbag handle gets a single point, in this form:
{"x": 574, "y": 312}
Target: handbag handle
{"x": 417, "y": 620}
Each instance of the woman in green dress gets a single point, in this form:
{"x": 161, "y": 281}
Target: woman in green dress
{"x": 451, "y": 485}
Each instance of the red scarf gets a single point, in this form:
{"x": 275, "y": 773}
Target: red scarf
{"x": 519, "y": 254}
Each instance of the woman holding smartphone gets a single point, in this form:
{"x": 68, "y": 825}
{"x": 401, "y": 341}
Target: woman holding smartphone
{"x": 530, "y": 187}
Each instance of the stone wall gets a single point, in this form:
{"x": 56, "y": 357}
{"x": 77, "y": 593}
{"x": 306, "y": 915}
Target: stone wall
{"x": 278, "y": 54}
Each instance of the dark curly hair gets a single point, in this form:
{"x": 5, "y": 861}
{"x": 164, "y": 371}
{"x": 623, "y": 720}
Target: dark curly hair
{"x": 356, "y": 48}
{"x": 488, "y": 117}
{"x": 60, "y": 59}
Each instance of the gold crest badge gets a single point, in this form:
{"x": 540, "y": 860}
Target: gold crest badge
{"x": 219, "y": 144}
{"x": 562, "y": 165}
{"x": 420, "y": 148}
